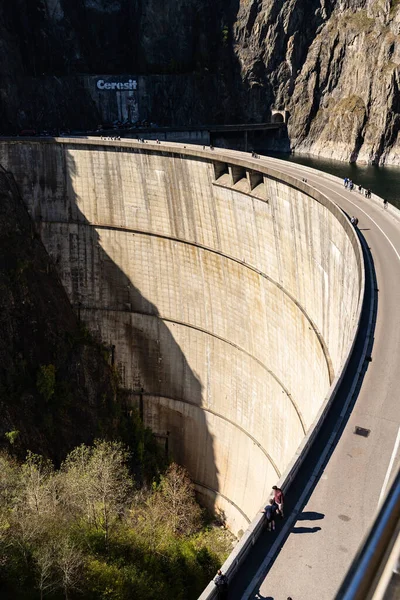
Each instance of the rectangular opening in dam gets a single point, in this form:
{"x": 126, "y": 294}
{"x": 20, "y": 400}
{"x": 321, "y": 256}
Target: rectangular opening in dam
{"x": 255, "y": 179}
{"x": 237, "y": 174}
{"x": 240, "y": 179}
{"x": 257, "y": 185}
{"x": 220, "y": 169}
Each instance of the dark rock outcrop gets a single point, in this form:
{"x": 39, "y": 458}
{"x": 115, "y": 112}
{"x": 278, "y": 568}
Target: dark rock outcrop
{"x": 334, "y": 64}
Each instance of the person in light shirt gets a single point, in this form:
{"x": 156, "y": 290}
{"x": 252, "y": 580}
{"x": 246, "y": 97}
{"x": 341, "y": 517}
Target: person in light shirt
{"x": 278, "y": 499}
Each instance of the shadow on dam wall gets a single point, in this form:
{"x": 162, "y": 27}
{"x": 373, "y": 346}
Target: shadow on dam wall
{"x": 100, "y": 293}
{"x": 160, "y": 369}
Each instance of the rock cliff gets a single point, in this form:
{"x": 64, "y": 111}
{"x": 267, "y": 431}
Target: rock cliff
{"x": 334, "y": 64}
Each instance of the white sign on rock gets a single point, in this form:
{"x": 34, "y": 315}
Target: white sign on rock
{"x": 131, "y": 84}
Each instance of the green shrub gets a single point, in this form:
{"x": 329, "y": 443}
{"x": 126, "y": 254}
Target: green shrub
{"x": 46, "y": 381}
{"x": 12, "y": 436}
{"x": 225, "y": 35}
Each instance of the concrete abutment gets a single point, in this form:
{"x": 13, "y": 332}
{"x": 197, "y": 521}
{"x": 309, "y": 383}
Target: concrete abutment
{"x": 230, "y": 292}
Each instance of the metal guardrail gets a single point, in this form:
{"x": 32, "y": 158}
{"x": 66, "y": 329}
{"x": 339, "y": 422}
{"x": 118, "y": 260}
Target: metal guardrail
{"x": 372, "y": 569}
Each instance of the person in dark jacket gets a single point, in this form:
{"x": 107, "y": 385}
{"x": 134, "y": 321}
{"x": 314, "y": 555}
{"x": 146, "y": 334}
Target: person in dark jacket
{"x": 270, "y": 511}
{"x": 221, "y": 581}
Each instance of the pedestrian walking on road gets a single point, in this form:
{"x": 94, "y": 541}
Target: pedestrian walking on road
{"x": 269, "y": 512}
{"x": 278, "y": 499}
{"x": 221, "y": 581}
{"x": 385, "y": 203}
{"x": 354, "y": 221}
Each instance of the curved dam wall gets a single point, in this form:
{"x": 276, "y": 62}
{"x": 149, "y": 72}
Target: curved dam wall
{"x": 229, "y": 291}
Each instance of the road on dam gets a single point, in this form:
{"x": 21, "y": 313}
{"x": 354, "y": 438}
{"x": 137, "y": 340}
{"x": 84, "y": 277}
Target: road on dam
{"x": 310, "y": 553}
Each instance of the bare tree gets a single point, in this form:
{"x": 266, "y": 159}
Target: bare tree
{"x": 25, "y": 531}
{"x": 74, "y": 483}
{"x": 179, "y": 506}
{"x": 9, "y": 490}
{"x": 38, "y": 493}
{"x": 9, "y": 480}
{"x": 35, "y": 506}
{"x": 110, "y": 481}
{"x": 46, "y": 575}
{"x": 96, "y": 483}
{"x": 147, "y": 518}
{"x": 70, "y": 564}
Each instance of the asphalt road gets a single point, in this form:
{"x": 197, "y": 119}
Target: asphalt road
{"x": 331, "y": 523}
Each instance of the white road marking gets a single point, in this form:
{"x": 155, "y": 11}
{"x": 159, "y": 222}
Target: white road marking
{"x": 389, "y": 470}
{"x": 371, "y": 219}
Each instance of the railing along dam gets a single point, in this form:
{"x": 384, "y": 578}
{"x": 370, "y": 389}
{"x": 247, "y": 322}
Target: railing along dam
{"x": 230, "y": 292}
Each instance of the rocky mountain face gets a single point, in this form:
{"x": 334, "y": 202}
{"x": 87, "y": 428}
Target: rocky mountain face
{"x": 333, "y": 64}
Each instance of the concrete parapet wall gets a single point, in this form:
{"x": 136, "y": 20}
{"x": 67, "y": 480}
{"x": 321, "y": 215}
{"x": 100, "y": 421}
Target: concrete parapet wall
{"x": 202, "y": 136}
{"x": 230, "y": 292}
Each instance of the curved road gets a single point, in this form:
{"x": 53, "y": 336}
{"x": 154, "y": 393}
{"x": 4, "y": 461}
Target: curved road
{"x": 330, "y": 524}
{"x": 344, "y": 502}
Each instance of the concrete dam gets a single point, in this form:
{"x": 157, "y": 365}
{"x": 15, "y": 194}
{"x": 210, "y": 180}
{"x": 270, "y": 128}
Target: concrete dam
{"x": 229, "y": 292}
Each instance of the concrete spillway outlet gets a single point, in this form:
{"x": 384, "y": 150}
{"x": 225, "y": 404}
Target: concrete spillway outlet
{"x": 229, "y": 292}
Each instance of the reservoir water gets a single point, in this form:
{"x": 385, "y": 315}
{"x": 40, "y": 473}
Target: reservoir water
{"x": 383, "y": 181}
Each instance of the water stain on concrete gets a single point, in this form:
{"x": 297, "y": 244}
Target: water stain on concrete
{"x": 344, "y": 518}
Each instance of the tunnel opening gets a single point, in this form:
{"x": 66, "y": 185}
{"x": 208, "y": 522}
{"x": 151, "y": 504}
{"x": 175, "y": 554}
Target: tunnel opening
{"x": 277, "y": 118}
